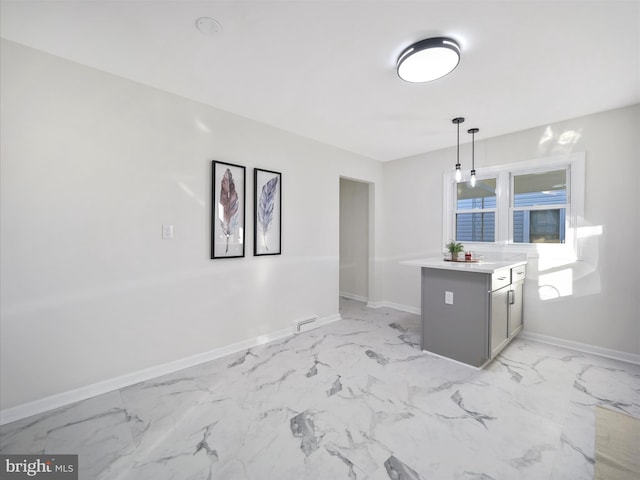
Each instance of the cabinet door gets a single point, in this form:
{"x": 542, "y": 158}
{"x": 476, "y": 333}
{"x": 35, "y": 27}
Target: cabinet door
{"x": 515, "y": 308}
{"x": 499, "y": 320}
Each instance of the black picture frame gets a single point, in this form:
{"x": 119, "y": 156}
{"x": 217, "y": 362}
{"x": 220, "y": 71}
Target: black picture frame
{"x": 267, "y": 212}
{"x": 228, "y": 207}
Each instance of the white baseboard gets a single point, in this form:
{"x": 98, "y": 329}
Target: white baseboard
{"x": 330, "y": 319}
{"x": 353, "y": 296}
{"x": 25, "y": 410}
{"x": 378, "y": 304}
{"x": 395, "y": 306}
{"x": 582, "y": 347}
{"x": 313, "y": 322}
{"x": 560, "y": 342}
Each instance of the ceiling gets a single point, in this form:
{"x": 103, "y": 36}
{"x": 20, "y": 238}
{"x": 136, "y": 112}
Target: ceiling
{"x": 326, "y": 69}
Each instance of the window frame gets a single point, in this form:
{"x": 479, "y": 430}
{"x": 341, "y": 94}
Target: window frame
{"x": 458, "y": 211}
{"x": 554, "y": 206}
{"x": 574, "y": 163}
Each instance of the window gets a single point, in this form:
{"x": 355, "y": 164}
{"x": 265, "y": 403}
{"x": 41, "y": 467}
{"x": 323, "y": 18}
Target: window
{"x": 476, "y": 211}
{"x": 539, "y": 207}
{"x": 518, "y": 206}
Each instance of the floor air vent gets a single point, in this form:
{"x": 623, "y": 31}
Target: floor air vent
{"x": 306, "y": 324}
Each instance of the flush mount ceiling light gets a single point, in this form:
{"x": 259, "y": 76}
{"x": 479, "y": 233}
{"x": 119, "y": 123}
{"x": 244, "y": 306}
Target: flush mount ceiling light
{"x": 428, "y": 59}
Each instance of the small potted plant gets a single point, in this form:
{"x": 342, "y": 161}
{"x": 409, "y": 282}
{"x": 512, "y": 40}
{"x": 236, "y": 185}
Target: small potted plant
{"x": 454, "y": 248}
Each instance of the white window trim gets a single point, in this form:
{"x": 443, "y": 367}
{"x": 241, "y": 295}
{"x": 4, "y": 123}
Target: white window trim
{"x": 575, "y": 164}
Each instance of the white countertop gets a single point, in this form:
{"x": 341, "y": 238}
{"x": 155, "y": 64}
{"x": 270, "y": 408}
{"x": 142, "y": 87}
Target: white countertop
{"x": 484, "y": 266}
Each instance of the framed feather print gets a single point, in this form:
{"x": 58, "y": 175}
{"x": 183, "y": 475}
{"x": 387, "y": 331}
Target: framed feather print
{"x": 227, "y": 210}
{"x": 267, "y": 219}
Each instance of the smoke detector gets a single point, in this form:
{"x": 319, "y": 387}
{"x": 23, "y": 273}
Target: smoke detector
{"x": 208, "y": 26}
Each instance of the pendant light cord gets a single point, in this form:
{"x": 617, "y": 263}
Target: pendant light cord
{"x": 473, "y": 132}
{"x": 458, "y": 143}
{"x": 473, "y": 151}
{"x": 458, "y": 172}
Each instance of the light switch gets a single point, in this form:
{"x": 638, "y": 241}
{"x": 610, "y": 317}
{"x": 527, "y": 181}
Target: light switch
{"x": 167, "y": 232}
{"x": 448, "y": 298}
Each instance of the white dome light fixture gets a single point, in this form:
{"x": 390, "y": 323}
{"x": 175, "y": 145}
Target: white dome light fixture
{"x": 428, "y": 60}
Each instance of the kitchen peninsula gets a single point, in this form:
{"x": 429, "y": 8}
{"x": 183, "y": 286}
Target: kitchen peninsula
{"x": 470, "y": 310}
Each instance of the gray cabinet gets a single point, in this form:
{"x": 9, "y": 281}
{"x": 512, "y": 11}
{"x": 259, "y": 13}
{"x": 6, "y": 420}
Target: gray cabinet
{"x": 499, "y": 320}
{"x": 516, "y": 300}
{"x": 505, "y": 318}
{"x": 470, "y": 316}
{"x": 458, "y": 329}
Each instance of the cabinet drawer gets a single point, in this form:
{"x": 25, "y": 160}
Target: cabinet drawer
{"x": 518, "y": 273}
{"x": 500, "y": 278}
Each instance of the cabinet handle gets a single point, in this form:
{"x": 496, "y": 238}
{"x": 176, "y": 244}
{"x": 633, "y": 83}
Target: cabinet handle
{"x": 501, "y": 278}
{"x": 511, "y": 298}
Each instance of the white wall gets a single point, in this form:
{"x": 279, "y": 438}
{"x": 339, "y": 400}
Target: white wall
{"x": 602, "y": 307}
{"x": 91, "y": 166}
{"x": 354, "y": 239}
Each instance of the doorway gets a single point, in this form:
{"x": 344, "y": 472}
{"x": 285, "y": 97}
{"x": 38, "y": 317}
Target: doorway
{"x": 355, "y": 235}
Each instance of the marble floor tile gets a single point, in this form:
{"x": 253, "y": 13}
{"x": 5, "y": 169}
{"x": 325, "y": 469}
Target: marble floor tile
{"x": 355, "y": 399}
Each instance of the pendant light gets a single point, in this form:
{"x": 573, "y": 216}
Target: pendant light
{"x": 473, "y": 132}
{"x": 458, "y": 174}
